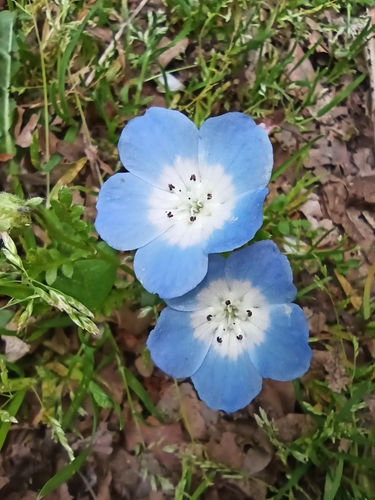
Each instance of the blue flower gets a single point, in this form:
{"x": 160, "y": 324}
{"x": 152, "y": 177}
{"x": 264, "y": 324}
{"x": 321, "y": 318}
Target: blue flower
{"x": 188, "y": 193}
{"x": 237, "y": 327}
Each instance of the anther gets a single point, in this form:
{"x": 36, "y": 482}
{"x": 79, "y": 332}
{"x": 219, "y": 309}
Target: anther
{"x": 193, "y": 177}
{"x": 249, "y": 313}
{"x": 171, "y": 187}
{"x": 227, "y": 302}
{"x": 239, "y": 337}
{"x": 219, "y": 339}
{"x": 169, "y": 215}
{"x": 209, "y": 317}
{"x": 209, "y": 196}
{"x": 192, "y": 218}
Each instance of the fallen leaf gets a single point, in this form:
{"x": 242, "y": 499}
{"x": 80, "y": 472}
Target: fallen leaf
{"x": 15, "y": 348}
{"x": 226, "y": 451}
{"x": 26, "y": 136}
{"x": 167, "y": 56}
{"x": 294, "y": 425}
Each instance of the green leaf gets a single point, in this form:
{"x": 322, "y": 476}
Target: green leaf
{"x": 12, "y": 409}
{"x": 102, "y": 399}
{"x": 91, "y": 282}
{"x": 65, "y": 196}
{"x": 7, "y": 105}
{"x": 51, "y": 275}
{"x": 284, "y": 227}
{"x": 333, "y": 484}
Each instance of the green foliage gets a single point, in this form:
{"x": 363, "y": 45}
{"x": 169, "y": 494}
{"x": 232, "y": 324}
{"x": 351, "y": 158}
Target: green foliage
{"x": 61, "y": 277}
{"x": 7, "y": 105}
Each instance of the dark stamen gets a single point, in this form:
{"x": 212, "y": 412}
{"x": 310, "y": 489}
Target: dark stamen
{"x": 169, "y": 215}
{"x": 249, "y": 313}
{"x": 209, "y": 196}
{"x": 192, "y": 218}
{"x": 239, "y": 337}
{"x": 227, "y": 302}
{"x": 171, "y": 187}
{"x": 219, "y": 339}
{"x": 193, "y": 177}
{"x": 209, "y": 317}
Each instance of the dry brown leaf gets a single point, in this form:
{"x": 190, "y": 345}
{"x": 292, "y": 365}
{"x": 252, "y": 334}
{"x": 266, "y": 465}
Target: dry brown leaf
{"x": 362, "y": 189}
{"x": 15, "y": 348}
{"x": 198, "y": 417}
{"x": 276, "y": 398}
{"x": 336, "y": 373}
{"x": 5, "y": 157}
{"x": 166, "y": 57}
{"x": 294, "y": 425}
{"x": 297, "y": 71}
{"x": 226, "y": 451}
{"x": 26, "y": 135}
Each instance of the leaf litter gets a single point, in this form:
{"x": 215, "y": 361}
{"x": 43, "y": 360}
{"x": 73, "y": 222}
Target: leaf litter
{"x": 147, "y": 454}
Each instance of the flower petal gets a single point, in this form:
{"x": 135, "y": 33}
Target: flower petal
{"x": 246, "y": 219}
{"x": 154, "y": 141}
{"x": 244, "y": 150}
{"x": 226, "y": 384}
{"x": 265, "y": 268}
{"x": 189, "y": 302}
{"x": 123, "y": 219}
{"x": 284, "y": 353}
{"x": 169, "y": 270}
{"x": 173, "y": 347}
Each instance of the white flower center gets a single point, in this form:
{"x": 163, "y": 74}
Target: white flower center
{"x": 233, "y": 317}
{"x": 196, "y": 201}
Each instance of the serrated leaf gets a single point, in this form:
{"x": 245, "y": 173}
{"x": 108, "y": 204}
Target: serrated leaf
{"x": 65, "y": 196}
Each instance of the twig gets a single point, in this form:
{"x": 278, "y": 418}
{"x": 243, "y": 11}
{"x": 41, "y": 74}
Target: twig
{"x": 116, "y": 38}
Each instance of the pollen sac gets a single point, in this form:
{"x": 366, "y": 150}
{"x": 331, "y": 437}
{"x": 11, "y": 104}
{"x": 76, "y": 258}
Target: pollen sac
{"x": 209, "y": 196}
{"x": 239, "y": 337}
{"x": 219, "y": 340}
{"x": 193, "y": 177}
{"x": 227, "y": 302}
{"x": 169, "y": 215}
{"x": 171, "y": 187}
{"x": 209, "y": 317}
{"x": 249, "y": 313}
{"x": 193, "y": 218}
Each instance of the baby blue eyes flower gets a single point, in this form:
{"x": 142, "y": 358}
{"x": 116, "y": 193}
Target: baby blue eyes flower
{"x": 188, "y": 193}
{"x": 235, "y": 328}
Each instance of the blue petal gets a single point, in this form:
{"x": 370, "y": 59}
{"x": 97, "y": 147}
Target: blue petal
{"x": 173, "y": 347}
{"x": 188, "y": 302}
{"x": 284, "y": 354}
{"x": 122, "y": 219}
{"x": 153, "y": 141}
{"x": 246, "y": 219}
{"x": 169, "y": 270}
{"x": 264, "y": 266}
{"x": 244, "y": 150}
{"x": 225, "y": 384}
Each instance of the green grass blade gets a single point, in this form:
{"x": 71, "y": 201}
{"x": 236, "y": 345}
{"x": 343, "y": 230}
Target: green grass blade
{"x": 341, "y": 95}
{"x": 297, "y": 155}
{"x": 87, "y": 375}
{"x": 12, "y": 409}
{"x": 6, "y": 104}
{"x": 332, "y": 486}
{"x": 65, "y": 60}
{"x": 64, "y": 474}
